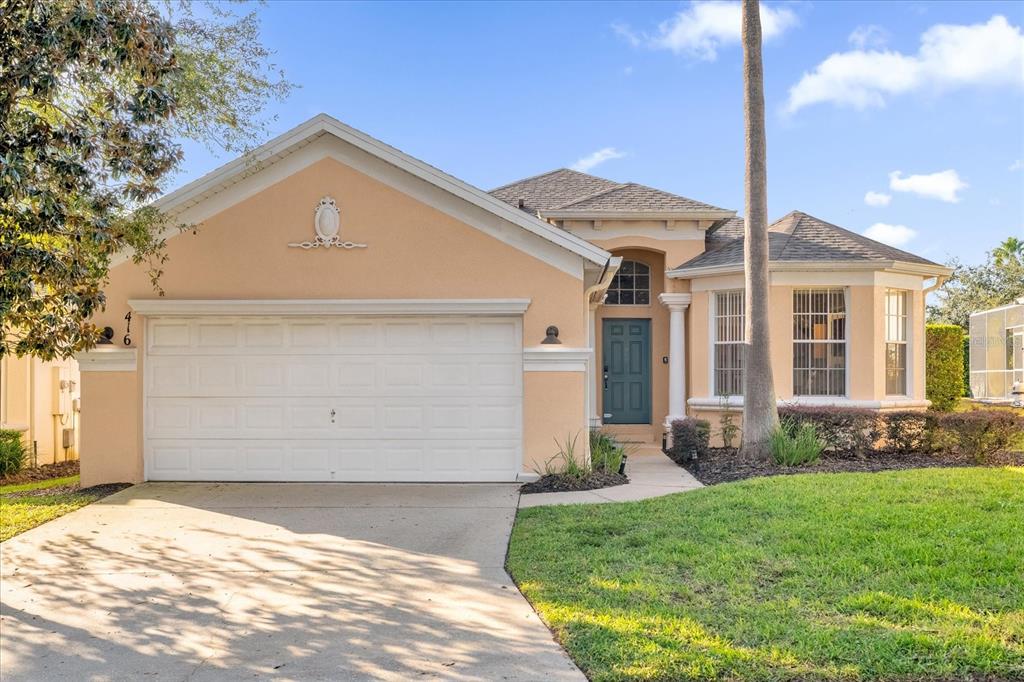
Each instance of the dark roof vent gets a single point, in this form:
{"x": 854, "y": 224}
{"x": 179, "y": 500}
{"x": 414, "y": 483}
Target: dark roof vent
{"x": 522, "y": 202}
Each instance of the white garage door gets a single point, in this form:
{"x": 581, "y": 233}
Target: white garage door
{"x": 336, "y": 398}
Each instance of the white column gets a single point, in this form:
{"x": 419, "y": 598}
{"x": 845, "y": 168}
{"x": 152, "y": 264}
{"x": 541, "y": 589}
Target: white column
{"x": 592, "y": 373}
{"x": 677, "y": 305}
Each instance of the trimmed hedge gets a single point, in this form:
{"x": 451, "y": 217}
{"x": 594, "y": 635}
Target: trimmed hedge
{"x": 690, "y": 439}
{"x": 980, "y": 433}
{"x": 944, "y": 365}
{"x": 967, "y": 366}
{"x": 840, "y": 429}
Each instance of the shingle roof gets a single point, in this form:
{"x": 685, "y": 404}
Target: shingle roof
{"x": 569, "y": 190}
{"x": 552, "y": 189}
{"x": 797, "y": 237}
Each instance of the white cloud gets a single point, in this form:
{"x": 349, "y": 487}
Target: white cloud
{"x": 868, "y": 36}
{"x": 893, "y": 235}
{"x": 1017, "y": 165}
{"x": 597, "y": 158}
{"x": 877, "y": 199}
{"x": 950, "y": 56}
{"x": 943, "y": 185}
{"x": 704, "y": 26}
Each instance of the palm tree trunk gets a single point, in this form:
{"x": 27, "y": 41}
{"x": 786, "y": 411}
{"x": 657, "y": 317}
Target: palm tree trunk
{"x": 760, "y": 415}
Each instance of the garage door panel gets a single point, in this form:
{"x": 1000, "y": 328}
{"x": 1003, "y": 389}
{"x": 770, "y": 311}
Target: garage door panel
{"x": 329, "y": 460}
{"x": 356, "y": 335}
{"x": 334, "y": 398}
{"x": 476, "y": 417}
{"x": 372, "y": 376}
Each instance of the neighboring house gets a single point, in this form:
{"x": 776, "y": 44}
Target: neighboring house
{"x": 346, "y": 312}
{"x": 997, "y": 353}
{"x": 40, "y": 399}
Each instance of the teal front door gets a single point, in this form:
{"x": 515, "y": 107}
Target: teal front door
{"x": 626, "y": 361}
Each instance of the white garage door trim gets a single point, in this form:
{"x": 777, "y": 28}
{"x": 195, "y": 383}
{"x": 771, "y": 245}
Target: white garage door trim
{"x": 389, "y": 376}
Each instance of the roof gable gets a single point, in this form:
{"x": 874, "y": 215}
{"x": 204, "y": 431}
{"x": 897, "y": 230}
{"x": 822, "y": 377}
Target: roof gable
{"x": 565, "y": 192}
{"x": 188, "y": 201}
{"x": 798, "y": 238}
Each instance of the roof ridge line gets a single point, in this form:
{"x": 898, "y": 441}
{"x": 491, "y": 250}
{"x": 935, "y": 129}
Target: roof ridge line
{"x": 606, "y": 190}
{"x": 532, "y": 177}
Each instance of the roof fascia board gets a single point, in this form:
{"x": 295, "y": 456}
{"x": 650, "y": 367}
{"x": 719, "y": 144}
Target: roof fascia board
{"x": 636, "y": 215}
{"x": 777, "y": 266}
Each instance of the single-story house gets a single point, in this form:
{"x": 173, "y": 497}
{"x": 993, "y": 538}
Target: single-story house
{"x": 345, "y": 312}
{"x": 997, "y": 353}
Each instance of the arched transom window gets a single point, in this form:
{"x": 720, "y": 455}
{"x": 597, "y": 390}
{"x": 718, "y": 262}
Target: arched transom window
{"x": 631, "y": 285}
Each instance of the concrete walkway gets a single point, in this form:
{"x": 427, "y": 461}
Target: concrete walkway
{"x": 650, "y": 472}
{"x": 286, "y": 581}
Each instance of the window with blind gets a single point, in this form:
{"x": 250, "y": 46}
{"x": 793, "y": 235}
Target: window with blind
{"x": 728, "y": 354}
{"x": 631, "y": 285}
{"x": 819, "y": 342}
{"x": 895, "y": 342}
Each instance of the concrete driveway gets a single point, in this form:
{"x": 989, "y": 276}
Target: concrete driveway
{"x": 287, "y": 581}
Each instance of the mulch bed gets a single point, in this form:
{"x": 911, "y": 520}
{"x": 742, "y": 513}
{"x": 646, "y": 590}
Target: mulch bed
{"x": 98, "y": 490}
{"x": 558, "y": 483}
{"x": 42, "y": 473}
{"x": 722, "y": 465}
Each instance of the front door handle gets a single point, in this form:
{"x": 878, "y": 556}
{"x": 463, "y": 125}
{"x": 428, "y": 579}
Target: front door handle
{"x": 606, "y": 381}
{"x": 333, "y": 413}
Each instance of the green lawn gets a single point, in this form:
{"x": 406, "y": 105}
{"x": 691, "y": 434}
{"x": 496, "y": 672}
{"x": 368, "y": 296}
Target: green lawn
{"x": 910, "y": 575}
{"x": 20, "y": 513}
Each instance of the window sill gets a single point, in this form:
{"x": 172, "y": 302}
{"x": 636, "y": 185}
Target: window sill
{"x": 735, "y": 403}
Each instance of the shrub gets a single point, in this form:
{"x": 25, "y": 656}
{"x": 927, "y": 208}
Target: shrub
{"x": 794, "y": 444}
{"x": 981, "y": 433}
{"x": 728, "y": 429}
{"x": 909, "y": 430}
{"x": 605, "y": 452}
{"x": 690, "y": 438}
{"x": 944, "y": 365}
{"x": 840, "y": 429}
{"x": 12, "y": 452}
{"x": 565, "y": 462}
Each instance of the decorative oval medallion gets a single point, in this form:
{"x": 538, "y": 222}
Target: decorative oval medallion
{"x": 326, "y": 221}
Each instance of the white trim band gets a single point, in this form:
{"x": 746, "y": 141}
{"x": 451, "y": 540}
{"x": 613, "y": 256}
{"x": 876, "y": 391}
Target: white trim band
{"x": 396, "y": 306}
{"x": 556, "y": 359}
{"x": 735, "y": 402}
{"x": 108, "y": 359}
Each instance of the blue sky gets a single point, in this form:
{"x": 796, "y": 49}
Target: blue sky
{"x": 493, "y": 92}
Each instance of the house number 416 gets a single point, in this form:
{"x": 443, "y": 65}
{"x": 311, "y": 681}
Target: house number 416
{"x": 128, "y": 330}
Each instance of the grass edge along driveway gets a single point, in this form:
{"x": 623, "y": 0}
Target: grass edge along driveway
{"x": 24, "y": 506}
{"x": 903, "y": 575}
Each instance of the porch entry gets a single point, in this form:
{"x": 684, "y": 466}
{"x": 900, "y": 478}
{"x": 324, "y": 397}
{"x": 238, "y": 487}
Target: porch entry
{"x": 626, "y": 365}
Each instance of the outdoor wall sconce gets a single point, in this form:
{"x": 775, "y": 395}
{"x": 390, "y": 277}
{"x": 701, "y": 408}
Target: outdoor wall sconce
{"x": 552, "y": 335}
{"x": 105, "y": 337}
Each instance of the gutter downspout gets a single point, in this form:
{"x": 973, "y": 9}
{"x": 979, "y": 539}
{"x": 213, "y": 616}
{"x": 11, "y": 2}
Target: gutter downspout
{"x": 611, "y": 267}
{"x": 939, "y": 281}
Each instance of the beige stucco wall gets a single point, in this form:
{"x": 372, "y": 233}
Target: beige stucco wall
{"x": 553, "y": 412}
{"x": 111, "y": 449}
{"x": 414, "y": 251}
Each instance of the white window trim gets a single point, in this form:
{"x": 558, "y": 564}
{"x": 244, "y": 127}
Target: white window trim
{"x": 908, "y": 343}
{"x": 713, "y": 334}
{"x": 846, "y": 341}
{"x": 735, "y": 403}
{"x": 650, "y": 272}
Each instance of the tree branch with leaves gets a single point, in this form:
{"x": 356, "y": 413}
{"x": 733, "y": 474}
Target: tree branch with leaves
{"x": 94, "y": 98}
